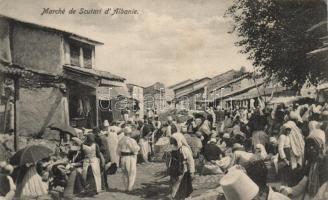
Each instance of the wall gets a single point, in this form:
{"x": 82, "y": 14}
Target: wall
{"x": 4, "y": 40}
{"x": 39, "y": 107}
{"x": 154, "y": 97}
{"x": 37, "y": 49}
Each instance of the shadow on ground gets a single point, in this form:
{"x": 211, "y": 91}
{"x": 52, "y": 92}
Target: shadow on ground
{"x": 153, "y": 190}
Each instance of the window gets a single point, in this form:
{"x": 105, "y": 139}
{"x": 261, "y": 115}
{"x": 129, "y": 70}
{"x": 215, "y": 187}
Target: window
{"x": 87, "y": 57}
{"x": 75, "y": 54}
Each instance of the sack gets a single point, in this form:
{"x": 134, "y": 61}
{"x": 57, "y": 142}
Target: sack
{"x": 112, "y": 169}
{"x": 176, "y": 167}
{"x": 211, "y": 169}
{"x": 224, "y": 162}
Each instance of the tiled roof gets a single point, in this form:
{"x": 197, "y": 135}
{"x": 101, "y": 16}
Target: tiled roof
{"x": 94, "y": 72}
{"x": 192, "y": 83}
{"x": 8, "y": 68}
{"x": 180, "y": 84}
{"x": 221, "y": 79}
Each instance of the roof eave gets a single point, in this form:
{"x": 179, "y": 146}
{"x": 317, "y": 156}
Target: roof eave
{"x": 85, "y": 40}
{"x": 80, "y": 37}
{"x": 119, "y": 79}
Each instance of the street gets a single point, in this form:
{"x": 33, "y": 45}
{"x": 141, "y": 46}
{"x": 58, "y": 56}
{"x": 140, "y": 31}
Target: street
{"x": 150, "y": 184}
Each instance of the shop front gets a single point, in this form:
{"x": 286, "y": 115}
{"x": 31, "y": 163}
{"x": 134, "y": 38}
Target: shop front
{"x": 82, "y": 105}
{"x": 90, "y": 96}
{"x": 113, "y": 102}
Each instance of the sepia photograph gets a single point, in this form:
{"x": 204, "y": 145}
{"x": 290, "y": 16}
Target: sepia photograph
{"x": 163, "y": 100}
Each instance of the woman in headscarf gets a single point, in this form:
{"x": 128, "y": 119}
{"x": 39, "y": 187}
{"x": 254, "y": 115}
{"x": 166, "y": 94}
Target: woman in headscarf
{"x": 315, "y": 175}
{"x": 146, "y": 132}
{"x": 324, "y": 125}
{"x": 112, "y": 140}
{"x": 92, "y": 160}
{"x": 181, "y": 168}
{"x": 257, "y": 125}
{"x": 240, "y": 156}
{"x": 315, "y": 131}
{"x": 8, "y": 187}
{"x": 260, "y": 152}
{"x": 74, "y": 183}
{"x": 291, "y": 151}
{"x": 29, "y": 183}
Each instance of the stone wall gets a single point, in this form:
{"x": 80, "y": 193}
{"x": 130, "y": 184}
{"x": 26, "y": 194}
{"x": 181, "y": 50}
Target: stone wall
{"x": 37, "y": 49}
{"x": 38, "y": 108}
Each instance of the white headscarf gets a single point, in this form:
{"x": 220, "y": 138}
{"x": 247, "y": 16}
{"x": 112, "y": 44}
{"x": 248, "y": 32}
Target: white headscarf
{"x": 296, "y": 141}
{"x": 263, "y": 153}
{"x": 313, "y": 125}
{"x": 318, "y": 133}
{"x": 181, "y": 140}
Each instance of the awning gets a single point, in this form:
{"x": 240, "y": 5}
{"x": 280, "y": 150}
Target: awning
{"x": 94, "y": 72}
{"x": 108, "y": 93}
{"x": 91, "y": 77}
{"x": 119, "y": 91}
{"x": 256, "y": 92}
{"x": 252, "y": 93}
{"x": 205, "y": 101}
{"x": 285, "y": 100}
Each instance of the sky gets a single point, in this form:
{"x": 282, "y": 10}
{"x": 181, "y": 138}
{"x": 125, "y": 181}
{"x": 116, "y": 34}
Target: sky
{"x": 167, "y": 41}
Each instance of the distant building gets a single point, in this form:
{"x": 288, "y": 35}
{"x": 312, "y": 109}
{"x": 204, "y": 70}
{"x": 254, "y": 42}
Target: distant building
{"x": 192, "y": 95}
{"x": 180, "y": 84}
{"x": 155, "y": 97}
{"x": 137, "y": 93}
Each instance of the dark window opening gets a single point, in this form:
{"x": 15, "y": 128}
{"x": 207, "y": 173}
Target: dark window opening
{"x": 87, "y": 57}
{"x": 75, "y": 54}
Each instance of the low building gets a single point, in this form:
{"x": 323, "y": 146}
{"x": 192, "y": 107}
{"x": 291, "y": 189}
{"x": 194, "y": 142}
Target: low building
{"x": 215, "y": 86}
{"x": 192, "y": 95}
{"x": 245, "y": 90}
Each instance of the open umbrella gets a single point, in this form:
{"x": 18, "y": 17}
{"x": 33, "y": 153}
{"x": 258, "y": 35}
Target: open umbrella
{"x": 30, "y": 154}
{"x": 64, "y": 129}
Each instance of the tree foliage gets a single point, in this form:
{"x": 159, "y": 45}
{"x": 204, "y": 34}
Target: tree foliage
{"x": 274, "y": 35}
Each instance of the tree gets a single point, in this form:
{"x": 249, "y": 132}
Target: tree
{"x": 274, "y": 35}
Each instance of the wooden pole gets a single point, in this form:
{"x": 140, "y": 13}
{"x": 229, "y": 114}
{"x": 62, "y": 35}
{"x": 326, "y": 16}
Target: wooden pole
{"x": 16, "y": 115}
{"x": 97, "y": 110}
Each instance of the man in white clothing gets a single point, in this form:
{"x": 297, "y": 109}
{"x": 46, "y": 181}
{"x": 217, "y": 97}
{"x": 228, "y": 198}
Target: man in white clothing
{"x": 128, "y": 150}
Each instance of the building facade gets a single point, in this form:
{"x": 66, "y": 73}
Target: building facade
{"x": 155, "y": 98}
{"x": 137, "y": 93}
{"x": 64, "y": 84}
{"x": 192, "y": 96}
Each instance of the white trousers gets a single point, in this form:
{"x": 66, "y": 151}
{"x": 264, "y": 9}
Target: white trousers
{"x": 95, "y": 167}
{"x": 144, "y": 149}
{"x": 129, "y": 168}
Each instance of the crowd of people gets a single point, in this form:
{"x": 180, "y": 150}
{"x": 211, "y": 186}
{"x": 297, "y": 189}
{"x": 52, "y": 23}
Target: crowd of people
{"x": 253, "y": 146}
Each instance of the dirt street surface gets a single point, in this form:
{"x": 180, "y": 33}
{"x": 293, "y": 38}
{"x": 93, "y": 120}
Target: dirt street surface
{"x": 151, "y": 184}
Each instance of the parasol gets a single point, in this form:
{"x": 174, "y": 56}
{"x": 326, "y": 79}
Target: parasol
{"x": 30, "y": 154}
{"x": 64, "y": 129}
